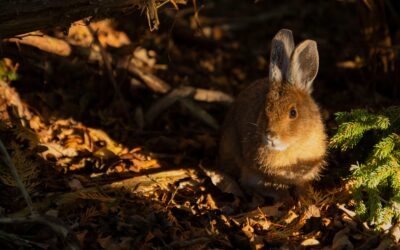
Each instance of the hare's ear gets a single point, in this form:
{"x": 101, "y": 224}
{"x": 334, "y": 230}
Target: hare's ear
{"x": 282, "y": 46}
{"x": 304, "y": 64}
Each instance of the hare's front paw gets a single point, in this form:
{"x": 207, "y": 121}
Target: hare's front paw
{"x": 224, "y": 182}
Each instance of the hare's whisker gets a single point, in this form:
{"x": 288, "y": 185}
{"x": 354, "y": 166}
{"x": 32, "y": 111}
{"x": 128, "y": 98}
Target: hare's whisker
{"x": 251, "y": 123}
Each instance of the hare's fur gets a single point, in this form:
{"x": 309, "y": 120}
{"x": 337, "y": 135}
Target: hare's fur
{"x": 263, "y": 145}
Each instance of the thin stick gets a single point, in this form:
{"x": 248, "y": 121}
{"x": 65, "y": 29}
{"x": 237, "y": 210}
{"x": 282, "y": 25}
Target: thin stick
{"x": 107, "y": 62}
{"x": 7, "y": 160}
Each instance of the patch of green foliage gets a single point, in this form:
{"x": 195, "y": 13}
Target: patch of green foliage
{"x": 376, "y": 176}
{"x": 6, "y": 73}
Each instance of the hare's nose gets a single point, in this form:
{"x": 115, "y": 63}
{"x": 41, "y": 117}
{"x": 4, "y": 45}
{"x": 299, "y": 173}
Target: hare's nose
{"x": 271, "y": 135}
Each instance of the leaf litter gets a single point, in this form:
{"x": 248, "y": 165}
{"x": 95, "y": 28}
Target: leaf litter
{"x": 135, "y": 181}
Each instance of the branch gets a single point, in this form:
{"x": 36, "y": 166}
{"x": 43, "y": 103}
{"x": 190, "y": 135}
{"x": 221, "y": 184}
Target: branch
{"x": 13, "y": 170}
{"x": 20, "y": 16}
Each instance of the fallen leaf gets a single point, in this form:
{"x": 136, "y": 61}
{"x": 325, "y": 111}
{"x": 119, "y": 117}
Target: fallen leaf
{"x": 36, "y": 123}
{"x": 210, "y": 202}
{"x": 395, "y": 232}
{"x": 104, "y": 153}
{"x": 290, "y": 217}
{"x": 248, "y": 231}
{"x": 81, "y": 237}
{"x": 341, "y": 240}
{"x": 105, "y": 242}
{"x": 52, "y": 213}
{"x": 125, "y": 243}
{"x": 310, "y": 242}
{"x": 312, "y": 211}
{"x": 75, "y": 184}
{"x": 141, "y": 165}
{"x": 57, "y": 151}
{"x": 100, "y": 135}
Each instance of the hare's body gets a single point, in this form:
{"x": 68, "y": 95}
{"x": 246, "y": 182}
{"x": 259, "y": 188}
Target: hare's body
{"x": 245, "y": 156}
{"x": 273, "y": 138}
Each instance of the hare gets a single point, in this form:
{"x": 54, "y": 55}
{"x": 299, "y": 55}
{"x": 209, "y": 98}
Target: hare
{"x": 273, "y": 138}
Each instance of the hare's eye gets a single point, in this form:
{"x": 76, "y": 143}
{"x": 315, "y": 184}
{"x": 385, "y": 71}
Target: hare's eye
{"x": 292, "y": 113}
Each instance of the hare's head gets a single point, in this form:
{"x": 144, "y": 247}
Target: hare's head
{"x": 293, "y": 118}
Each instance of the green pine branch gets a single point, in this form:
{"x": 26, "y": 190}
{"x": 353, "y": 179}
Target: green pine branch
{"x": 376, "y": 178}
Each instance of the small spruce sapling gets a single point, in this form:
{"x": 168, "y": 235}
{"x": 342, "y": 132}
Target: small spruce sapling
{"x": 376, "y": 177}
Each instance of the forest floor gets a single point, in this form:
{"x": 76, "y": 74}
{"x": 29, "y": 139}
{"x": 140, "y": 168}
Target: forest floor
{"x": 110, "y": 126}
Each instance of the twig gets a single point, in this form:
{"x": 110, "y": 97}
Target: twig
{"x": 166, "y": 102}
{"x": 19, "y": 17}
{"x": 7, "y": 161}
{"x": 199, "y": 113}
{"x": 43, "y": 42}
{"x": 350, "y": 213}
{"x": 107, "y": 59}
{"x": 207, "y": 95}
{"x": 182, "y": 94}
{"x": 153, "y": 82}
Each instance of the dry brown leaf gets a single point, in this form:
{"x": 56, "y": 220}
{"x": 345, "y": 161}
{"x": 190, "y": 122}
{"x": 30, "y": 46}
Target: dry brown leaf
{"x": 36, "y": 123}
{"x": 57, "y": 151}
{"x": 211, "y": 202}
{"x": 248, "y": 231}
{"x": 290, "y": 217}
{"x": 395, "y": 232}
{"x": 104, "y": 153}
{"x": 341, "y": 240}
{"x": 120, "y": 169}
{"x": 100, "y": 135}
{"x": 312, "y": 211}
{"x": 75, "y": 184}
{"x": 139, "y": 165}
{"x": 143, "y": 58}
{"x": 105, "y": 242}
{"x": 310, "y": 242}
{"x": 125, "y": 243}
{"x": 79, "y": 34}
{"x": 81, "y": 236}
{"x": 149, "y": 237}
{"x": 258, "y": 242}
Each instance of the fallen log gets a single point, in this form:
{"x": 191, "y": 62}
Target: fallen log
{"x": 139, "y": 185}
{"x": 21, "y": 16}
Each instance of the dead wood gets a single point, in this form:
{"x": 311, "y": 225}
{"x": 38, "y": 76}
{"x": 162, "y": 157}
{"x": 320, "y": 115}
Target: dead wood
{"x": 150, "y": 182}
{"x": 153, "y": 82}
{"x": 19, "y": 17}
{"x": 182, "y": 95}
{"x": 44, "y": 42}
{"x": 165, "y": 102}
{"x": 137, "y": 185}
{"x": 199, "y": 113}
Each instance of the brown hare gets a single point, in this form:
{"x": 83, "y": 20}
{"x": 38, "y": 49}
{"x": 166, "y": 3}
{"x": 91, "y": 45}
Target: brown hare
{"x": 273, "y": 138}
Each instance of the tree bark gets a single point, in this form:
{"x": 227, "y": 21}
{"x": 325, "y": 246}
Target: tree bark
{"x": 22, "y": 16}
